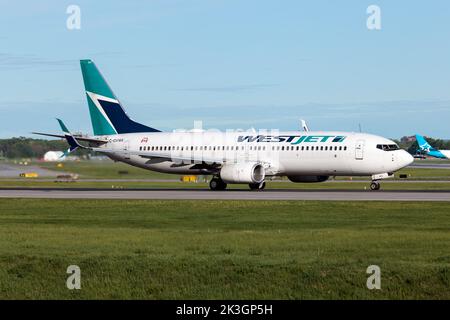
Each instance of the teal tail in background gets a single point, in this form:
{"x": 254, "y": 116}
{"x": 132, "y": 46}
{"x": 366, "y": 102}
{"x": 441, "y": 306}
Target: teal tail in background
{"x": 107, "y": 114}
{"x": 423, "y": 144}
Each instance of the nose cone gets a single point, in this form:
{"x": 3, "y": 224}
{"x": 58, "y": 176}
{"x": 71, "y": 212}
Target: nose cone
{"x": 405, "y": 159}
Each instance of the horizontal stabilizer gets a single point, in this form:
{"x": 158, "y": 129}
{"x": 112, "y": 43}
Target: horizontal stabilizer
{"x": 90, "y": 140}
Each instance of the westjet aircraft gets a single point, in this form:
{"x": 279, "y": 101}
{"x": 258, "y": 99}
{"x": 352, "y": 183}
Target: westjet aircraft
{"x": 426, "y": 148}
{"x": 246, "y": 157}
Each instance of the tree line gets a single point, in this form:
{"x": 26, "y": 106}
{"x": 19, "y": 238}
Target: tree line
{"x": 22, "y": 147}
{"x": 413, "y": 148}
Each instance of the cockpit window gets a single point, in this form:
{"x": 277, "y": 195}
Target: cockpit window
{"x": 387, "y": 147}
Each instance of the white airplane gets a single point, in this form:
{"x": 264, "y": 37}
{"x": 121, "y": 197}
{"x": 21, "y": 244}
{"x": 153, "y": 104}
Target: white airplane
{"x": 238, "y": 157}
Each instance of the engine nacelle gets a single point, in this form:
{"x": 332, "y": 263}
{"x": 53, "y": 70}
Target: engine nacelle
{"x": 249, "y": 172}
{"x": 308, "y": 179}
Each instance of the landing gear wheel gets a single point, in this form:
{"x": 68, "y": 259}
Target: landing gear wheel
{"x": 257, "y": 186}
{"x": 217, "y": 184}
{"x": 375, "y": 186}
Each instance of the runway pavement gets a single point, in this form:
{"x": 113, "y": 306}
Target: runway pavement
{"x": 430, "y": 165}
{"x": 13, "y": 171}
{"x": 189, "y": 194}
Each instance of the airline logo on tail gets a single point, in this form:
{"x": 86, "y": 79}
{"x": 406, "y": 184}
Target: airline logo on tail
{"x": 423, "y": 144}
{"x": 425, "y": 147}
{"x": 107, "y": 114}
{"x": 99, "y": 117}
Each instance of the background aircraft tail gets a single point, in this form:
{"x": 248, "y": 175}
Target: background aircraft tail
{"x": 107, "y": 114}
{"x": 423, "y": 144}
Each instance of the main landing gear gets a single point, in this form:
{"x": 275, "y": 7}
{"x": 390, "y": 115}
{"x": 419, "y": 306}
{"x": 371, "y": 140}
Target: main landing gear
{"x": 257, "y": 186}
{"x": 375, "y": 185}
{"x": 217, "y": 184}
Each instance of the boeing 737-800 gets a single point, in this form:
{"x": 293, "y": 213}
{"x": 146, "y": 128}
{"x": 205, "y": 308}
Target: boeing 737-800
{"x": 240, "y": 157}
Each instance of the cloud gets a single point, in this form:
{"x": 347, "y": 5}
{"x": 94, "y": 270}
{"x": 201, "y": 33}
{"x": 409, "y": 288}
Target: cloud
{"x": 234, "y": 88}
{"x": 386, "y": 118}
{"x": 10, "y": 61}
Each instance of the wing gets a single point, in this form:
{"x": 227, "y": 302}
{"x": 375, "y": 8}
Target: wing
{"x": 90, "y": 140}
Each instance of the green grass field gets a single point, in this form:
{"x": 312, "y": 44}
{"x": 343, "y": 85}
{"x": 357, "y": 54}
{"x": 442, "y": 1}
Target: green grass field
{"x": 110, "y": 170}
{"x": 223, "y": 249}
{"x": 106, "y": 170}
{"x": 418, "y": 179}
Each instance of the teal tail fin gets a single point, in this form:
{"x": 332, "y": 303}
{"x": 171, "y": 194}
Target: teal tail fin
{"x": 107, "y": 114}
{"x": 423, "y": 144}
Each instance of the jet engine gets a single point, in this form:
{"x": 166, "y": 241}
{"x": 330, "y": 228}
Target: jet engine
{"x": 249, "y": 172}
{"x": 308, "y": 179}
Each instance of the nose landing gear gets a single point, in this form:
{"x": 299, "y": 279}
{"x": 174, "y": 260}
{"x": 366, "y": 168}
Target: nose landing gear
{"x": 375, "y": 185}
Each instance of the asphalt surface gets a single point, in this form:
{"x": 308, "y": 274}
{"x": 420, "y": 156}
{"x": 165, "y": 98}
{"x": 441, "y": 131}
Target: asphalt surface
{"x": 430, "y": 165}
{"x": 13, "y": 171}
{"x": 189, "y": 194}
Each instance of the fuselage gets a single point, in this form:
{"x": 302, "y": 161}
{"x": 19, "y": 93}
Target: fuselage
{"x": 440, "y": 154}
{"x": 282, "y": 153}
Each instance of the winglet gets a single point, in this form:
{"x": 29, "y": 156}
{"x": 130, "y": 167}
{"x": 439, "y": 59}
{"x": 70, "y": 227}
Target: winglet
{"x": 304, "y": 125}
{"x": 73, "y": 143}
{"x": 63, "y": 126}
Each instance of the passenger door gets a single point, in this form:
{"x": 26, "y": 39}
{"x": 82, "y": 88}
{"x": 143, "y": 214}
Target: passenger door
{"x": 359, "y": 150}
{"x": 126, "y": 148}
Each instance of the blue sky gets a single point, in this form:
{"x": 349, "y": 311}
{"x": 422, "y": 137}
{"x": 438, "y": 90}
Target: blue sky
{"x": 231, "y": 64}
